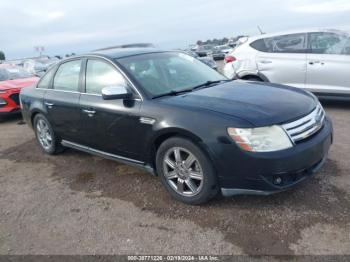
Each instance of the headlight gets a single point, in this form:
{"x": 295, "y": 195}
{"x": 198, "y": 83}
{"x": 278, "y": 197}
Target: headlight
{"x": 261, "y": 139}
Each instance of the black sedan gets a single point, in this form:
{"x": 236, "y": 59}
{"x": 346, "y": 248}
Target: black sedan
{"x": 170, "y": 114}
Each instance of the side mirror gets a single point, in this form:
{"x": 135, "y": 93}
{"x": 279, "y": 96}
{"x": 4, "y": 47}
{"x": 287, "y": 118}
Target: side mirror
{"x": 115, "y": 92}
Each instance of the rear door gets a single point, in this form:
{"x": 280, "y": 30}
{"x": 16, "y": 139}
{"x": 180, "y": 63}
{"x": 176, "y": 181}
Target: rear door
{"x": 62, "y": 100}
{"x": 328, "y": 63}
{"x": 282, "y": 59}
{"x": 111, "y": 126}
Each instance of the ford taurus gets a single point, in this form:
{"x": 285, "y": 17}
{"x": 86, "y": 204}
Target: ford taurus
{"x": 172, "y": 115}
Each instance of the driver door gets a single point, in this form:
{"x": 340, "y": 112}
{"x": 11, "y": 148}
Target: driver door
{"x": 110, "y": 126}
{"x": 328, "y": 63}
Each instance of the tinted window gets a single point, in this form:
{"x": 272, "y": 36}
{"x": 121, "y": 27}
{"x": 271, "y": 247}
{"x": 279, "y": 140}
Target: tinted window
{"x": 330, "y": 43}
{"x": 294, "y": 43}
{"x": 45, "y": 80}
{"x": 259, "y": 45}
{"x": 160, "y": 73}
{"x": 99, "y": 75}
{"x": 67, "y": 76}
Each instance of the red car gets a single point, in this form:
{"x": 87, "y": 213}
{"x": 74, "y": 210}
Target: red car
{"x": 12, "y": 80}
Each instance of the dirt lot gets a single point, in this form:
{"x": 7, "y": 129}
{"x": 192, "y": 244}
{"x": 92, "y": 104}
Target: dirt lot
{"x": 75, "y": 203}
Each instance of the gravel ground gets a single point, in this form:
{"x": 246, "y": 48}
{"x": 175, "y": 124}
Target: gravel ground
{"x": 75, "y": 203}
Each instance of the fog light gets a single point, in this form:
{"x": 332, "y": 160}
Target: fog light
{"x": 277, "y": 180}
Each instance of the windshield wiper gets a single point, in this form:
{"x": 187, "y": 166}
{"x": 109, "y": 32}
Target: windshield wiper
{"x": 206, "y": 84}
{"x": 209, "y": 83}
{"x": 173, "y": 93}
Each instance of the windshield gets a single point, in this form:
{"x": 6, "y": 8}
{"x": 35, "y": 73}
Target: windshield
{"x": 12, "y": 73}
{"x": 161, "y": 73}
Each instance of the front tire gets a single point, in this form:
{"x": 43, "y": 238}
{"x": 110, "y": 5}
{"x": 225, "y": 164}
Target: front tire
{"x": 45, "y": 135}
{"x": 186, "y": 171}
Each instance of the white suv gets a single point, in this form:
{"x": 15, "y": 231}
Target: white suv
{"x": 316, "y": 60}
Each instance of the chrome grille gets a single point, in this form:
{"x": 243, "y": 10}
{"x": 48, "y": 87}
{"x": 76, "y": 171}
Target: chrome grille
{"x": 306, "y": 126}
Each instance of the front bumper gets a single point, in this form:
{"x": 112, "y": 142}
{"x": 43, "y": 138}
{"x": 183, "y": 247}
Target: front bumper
{"x": 11, "y": 103}
{"x": 243, "y": 172}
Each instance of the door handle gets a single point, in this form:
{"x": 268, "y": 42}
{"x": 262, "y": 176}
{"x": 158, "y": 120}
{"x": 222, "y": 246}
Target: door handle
{"x": 265, "y": 61}
{"x": 316, "y": 62}
{"x": 89, "y": 112}
{"x": 49, "y": 105}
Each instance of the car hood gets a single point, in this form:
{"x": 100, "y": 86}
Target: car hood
{"x": 261, "y": 104}
{"x": 17, "y": 83}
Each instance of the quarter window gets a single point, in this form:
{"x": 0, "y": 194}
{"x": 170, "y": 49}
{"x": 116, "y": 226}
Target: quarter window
{"x": 294, "y": 43}
{"x": 67, "y": 76}
{"x": 99, "y": 75}
{"x": 330, "y": 43}
{"x": 45, "y": 80}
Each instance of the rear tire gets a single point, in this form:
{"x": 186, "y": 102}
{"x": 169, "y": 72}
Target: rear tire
{"x": 45, "y": 135}
{"x": 186, "y": 171}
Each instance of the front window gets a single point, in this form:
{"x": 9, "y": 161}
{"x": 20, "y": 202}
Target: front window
{"x": 161, "y": 73}
{"x": 12, "y": 73}
{"x": 99, "y": 75}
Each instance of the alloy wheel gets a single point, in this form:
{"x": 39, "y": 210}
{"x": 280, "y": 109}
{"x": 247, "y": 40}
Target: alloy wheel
{"x": 183, "y": 171}
{"x": 44, "y": 134}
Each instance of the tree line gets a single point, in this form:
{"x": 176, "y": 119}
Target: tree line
{"x": 2, "y": 55}
{"x": 216, "y": 41}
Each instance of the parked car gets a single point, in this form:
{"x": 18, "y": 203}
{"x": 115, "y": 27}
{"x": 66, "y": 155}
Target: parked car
{"x": 170, "y": 114}
{"x": 12, "y": 80}
{"x": 204, "y": 50}
{"x": 205, "y": 59}
{"x": 219, "y": 52}
{"x": 315, "y": 60}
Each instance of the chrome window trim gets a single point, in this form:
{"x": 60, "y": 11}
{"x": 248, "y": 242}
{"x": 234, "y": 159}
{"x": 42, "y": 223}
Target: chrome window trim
{"x": 81, "y": 93}
{"x": 60, "y": 90}
{"x": 101, "y": 57}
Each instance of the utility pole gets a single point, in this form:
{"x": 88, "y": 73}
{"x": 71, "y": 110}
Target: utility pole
{"x": 39, "y": 49}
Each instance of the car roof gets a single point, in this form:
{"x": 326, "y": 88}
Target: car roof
{"x": 295, "y": 31}
{"x": 116, "y": 53}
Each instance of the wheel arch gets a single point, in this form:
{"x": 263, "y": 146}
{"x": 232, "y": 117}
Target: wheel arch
{"x": 248, "y": 75}
{"x": 165, "y": 134}
{"x": 33, "y": 114}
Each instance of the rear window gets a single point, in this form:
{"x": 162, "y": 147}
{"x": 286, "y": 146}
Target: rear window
{"x": 259, "y": 45}
{"x": 46, "y": 79}
{"x": 67, "y": 76}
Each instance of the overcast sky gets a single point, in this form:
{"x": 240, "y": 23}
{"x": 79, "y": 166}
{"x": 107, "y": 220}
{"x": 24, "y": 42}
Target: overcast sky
{"x": 80, "y": 26}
